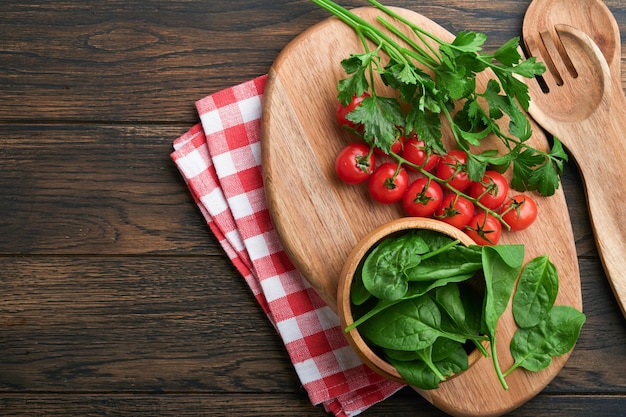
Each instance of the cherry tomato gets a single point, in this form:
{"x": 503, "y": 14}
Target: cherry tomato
{"x": 387, "y": 187}
{"x": 455, "y": 210}
{"x": 416, "y": 153}
{"x": 422, "y": 198}
{"x": 484, "y": 229}
{"x": 396, "y": 147}
{"x": 491, "y": 191}
{"x": 519, "y": 212}
{"x": 452, "y": 168}
{"x": 342, "y": 111}
{"x": 355, "y": 163}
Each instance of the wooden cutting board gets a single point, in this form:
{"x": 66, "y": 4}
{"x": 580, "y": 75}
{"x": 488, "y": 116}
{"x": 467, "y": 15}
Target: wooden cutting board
{"x": 319, "y": 219}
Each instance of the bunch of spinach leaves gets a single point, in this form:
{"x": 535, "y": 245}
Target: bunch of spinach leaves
{"x": 423, "y": 301}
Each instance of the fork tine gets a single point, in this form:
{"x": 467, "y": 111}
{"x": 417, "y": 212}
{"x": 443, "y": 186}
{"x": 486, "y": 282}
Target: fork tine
{"x": 536, "y": 47}
{"x": 546, "y": 81}
{"x": 555, "y": 39}
{"x": 547, "y": 47}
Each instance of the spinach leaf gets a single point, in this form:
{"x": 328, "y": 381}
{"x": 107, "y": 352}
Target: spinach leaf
{"x": 435, "y": 240}
{"x": 462, "y": 308}
{"x": 421, "y": 324}
{"x": 449, "y": 299}
{"x": 413, "y": 324}
{"x": 501, "y": 266}
{"x": 384, "y": 268}
{"x": 415, "y": 290}
{"x": 358, "y": 293}
{"x": 455, "y": 260}
{"x": 533, "y": 348}
{"x": 419, "y": 288}
{"x": 536, "y": 292}
{"x": 437, "y": 363}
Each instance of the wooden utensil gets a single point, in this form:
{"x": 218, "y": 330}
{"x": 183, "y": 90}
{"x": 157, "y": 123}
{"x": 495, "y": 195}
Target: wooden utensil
{"x": 584, "y": 106}
{"x": 593, "y": 18}
{"x": 319, "y": 220}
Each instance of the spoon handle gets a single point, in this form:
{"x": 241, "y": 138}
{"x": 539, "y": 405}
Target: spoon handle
{"x": 602, "y": 162}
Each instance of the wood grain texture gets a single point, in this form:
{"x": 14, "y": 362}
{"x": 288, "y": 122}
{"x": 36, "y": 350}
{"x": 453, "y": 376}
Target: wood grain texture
{"x": 320, "y": 220}
{"x": 89, "y": 189}
{"x": 254, "y": 405}
{"x": 588, "y": 111}
{"x": 114, "y": 297}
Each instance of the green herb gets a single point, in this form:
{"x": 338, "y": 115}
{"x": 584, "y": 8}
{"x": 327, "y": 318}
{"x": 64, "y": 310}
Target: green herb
{"x": 425, "y": 324}
{"x": 502, "y": 265}
{"x": 413, "y": 324}
{"x": 384, "y": 271}
{"x": 544, "y": 330}
{"x": 534, "y": 348}
{"x": 432, "y": 78}
{"x": 536, "y": 292}
{"x": 428, "y": 367}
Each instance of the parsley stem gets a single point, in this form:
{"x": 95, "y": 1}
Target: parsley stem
{"x": 416, "y": 29}
{"x": 422, "y": 56}
{"x": 432, "y": 76}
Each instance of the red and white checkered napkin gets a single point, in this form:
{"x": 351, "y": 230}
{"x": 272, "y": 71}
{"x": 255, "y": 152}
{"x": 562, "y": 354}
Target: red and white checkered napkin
{"x": 220, "y": 159}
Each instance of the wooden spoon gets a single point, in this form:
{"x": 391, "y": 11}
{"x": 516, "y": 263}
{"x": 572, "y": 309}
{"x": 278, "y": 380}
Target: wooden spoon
{"x": 593, "y": 18}
{"x": 584, "y": 106}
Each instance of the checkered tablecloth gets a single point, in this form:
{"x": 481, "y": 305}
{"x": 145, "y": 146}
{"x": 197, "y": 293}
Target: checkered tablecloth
{"x": 220, "y": 160}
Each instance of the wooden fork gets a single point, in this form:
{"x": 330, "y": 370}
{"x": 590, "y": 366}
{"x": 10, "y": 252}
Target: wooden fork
{"x": 584, "y": 107}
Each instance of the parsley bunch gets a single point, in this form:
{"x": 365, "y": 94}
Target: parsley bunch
{"x": 436, "y": 82}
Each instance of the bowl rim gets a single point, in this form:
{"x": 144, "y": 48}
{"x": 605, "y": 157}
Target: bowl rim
{"x": 358, "y": 344}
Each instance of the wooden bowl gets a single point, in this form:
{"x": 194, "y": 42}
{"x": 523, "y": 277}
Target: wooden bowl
{"x": 363, "y": 350}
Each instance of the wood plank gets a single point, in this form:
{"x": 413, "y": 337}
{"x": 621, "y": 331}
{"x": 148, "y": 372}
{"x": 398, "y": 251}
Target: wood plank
{"x": 127, "y": 61}
{"x": 152, "y": 60}
{"x": 135, "y": 324}
{"x": 124, "y": 189}
{"x": 278, "y": 405}
{"x": 139, "y": 324}
{"x": 72, "y": 189}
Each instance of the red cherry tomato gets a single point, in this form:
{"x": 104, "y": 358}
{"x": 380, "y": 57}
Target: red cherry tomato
{"x": 452, "y": 168}
{"x": 342, "y": 111}
{"x": 385, "y": 185}
{"x": 355, "y": 163}
{"x": 422, "y": 198}
{"x": 484, "y": 229}
{"x": 455, "y": 210}
{"x": 416, "y": 153}
{"x": 491, "y": 191}
{"x": 396, "y": 147}
{"x": 519, "y": 212}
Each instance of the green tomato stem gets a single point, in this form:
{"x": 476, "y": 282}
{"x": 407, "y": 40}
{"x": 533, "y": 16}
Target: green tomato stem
{"x": 402, "y": 161}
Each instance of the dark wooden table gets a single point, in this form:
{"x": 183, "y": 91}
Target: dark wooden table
{"x": 115, "y": 299}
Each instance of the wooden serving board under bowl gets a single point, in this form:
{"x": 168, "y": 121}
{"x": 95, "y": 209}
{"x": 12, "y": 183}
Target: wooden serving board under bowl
{"x": 319, "y": 219}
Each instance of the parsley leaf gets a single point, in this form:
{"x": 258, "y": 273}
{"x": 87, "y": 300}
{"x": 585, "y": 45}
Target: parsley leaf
{"x": 436, "y": 83}
{"x": 381, "y": 117}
